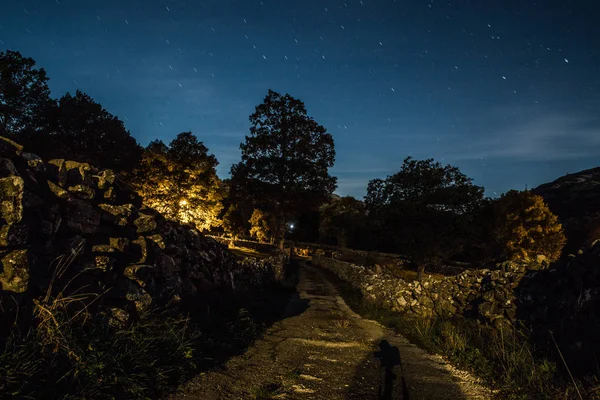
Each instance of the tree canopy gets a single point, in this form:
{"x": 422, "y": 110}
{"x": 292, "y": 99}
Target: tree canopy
{"x": 84, "y": 131}
{"x": 285, "y": 161}
{"x": 24, "y": 94}
{"x": 341, "y": 219}
{"x": 526, "y": 228}
{"x": 181, "y": 182}
{"x": 423, "y": 210}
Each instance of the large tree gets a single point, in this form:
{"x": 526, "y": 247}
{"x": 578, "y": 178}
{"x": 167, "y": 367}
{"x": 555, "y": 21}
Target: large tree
{"x": 423, "y": 211}
{"x": 525, "y": 228}
{"x": 82, "y": 130}
{"x": 24, "y": 94}
{"x": 341, "y": 219}
{"x": 285, "y": 161}
{"x": 181, "y": 182}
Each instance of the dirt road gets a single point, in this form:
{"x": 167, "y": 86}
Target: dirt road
{"x": 323, "y": 350}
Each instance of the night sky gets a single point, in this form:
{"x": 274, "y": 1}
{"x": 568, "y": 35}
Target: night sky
{"x": 507, "y": 90}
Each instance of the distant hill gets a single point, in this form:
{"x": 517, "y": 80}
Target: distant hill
{"x": 575, "y": 199}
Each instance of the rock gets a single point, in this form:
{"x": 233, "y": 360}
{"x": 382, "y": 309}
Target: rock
{"x": 9, "y": 149}
{"x": 57, "y": 190}
{"x": 109, "y": 194}
{"x": 120, "y": 244}
{"x": 105, "y": 263}
{"x": 80, "y": 216}
{"x": 15, "y": 271}
{"x": 78, "y": 173}
{"x": 82, "y": 191}
{"x": 105, "y": 179}
{"x": 138, "y": 296}
{"x": 34, "y": 162}
{"x": 145, "y": 223}
{"x": 159, "y": 241}
{"x": 11, "y": 198}
{"x": 141, "y": 274}
{"x": 139, "y": 250}
{"x": 117, "y": 215}
{"x": 56, "y": 171}
{"x": 13, "y": 235}
{"x": 7, "y": 168}
{"x": 118, "y": 319}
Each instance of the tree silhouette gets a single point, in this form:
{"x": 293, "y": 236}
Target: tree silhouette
{"x": 24, "y": 94}
{"x": 341, "y": 219}
{"x": 423, "y": 211}
{"x": 86, "y": 132}
{"x": 285, "y": 161}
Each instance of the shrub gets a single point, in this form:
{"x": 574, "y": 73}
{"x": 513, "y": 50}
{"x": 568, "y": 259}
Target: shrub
{"x": 526, "y": 228}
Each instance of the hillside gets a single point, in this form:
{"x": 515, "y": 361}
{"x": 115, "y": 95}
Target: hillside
{"x": 575, "y": 199}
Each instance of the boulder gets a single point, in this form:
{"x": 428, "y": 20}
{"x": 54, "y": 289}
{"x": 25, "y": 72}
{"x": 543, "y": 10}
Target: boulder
{"x": 13, "y": 235}
{"x": 82, "y": 191}
{"x": 56, "y": 171}
{"x": 7, "y": 168}
{"x": 145, "y": 223}
{"x": 11, "y": 198}
{"x": 80, "y": 216}
{"x": 15, "y": 271}
{"x": 118, "y": 215}
{"x": 9, "y": 148}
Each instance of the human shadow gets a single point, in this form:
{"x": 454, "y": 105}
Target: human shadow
{"x": 389, "y": 356}
{"x": 380, "y": 376}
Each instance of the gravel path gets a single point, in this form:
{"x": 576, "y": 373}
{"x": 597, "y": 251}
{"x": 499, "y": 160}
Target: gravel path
{"x": 323, "y": 350}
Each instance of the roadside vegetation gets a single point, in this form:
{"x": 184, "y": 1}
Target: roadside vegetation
{"x": 68, "y": 353}
{"x": 506, "y": 360}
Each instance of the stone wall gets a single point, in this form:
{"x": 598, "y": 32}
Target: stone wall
{"x": 483, "y": 294}
{"x": 562, "y": 304}
{"x": 248, "y": 244}
{"x": 69, "y": 226}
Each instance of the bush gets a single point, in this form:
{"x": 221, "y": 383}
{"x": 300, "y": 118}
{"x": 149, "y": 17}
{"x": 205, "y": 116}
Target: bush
{"x": 526, "y": 228}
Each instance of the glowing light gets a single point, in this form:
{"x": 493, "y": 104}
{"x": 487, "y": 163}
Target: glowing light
{"x": 291, "y": 226}
{"x": 183, "y": 202}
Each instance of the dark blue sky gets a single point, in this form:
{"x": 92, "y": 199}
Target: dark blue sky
{"x": 507, "y": 90}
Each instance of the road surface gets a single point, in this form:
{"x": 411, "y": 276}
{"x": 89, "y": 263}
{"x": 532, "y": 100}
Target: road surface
{"x": 323, "y": 350}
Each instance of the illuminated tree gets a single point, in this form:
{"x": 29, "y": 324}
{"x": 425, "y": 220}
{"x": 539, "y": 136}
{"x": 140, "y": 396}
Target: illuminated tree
{"x": 423, "y": 211}
{"x": 341, "y": 218}
{"x": 285, "y": 161}
{"x": 261, "y": 223}
{"x": 527, "y": 228}
{"x": 180, "y": 181}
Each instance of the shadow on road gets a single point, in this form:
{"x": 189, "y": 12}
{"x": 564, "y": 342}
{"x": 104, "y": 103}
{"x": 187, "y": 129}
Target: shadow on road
{"x": 380, "y": 376}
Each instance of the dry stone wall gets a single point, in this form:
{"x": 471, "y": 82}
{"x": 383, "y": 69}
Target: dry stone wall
{"x": 485, "y": 294}
{"x": 81, "y": 228}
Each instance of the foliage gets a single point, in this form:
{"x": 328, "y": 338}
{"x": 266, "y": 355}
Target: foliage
{"x": 24, "y": 94}
{"x": 234, "y": 222}
{"x": 80, "y": 129}
{"x": 285, "y": 161}
{"x": 341, "y": 219}
{"x": 526, "y": 227}
{"x": 423, "y": 211}
{"x": 181, "y": 182}
{"x": 261, "y": 223}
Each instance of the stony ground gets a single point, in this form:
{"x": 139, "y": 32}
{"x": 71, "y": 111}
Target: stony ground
{"x": 323, "y": 350}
